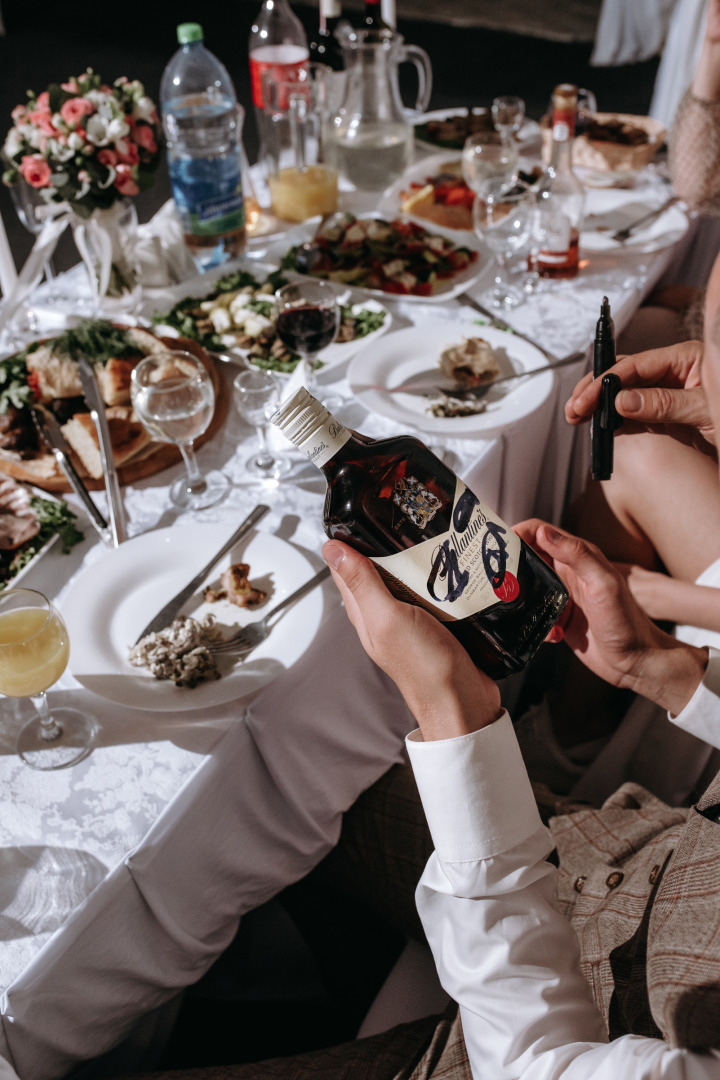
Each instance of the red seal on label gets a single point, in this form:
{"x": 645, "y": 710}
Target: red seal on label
{"x": 509, "y": 588}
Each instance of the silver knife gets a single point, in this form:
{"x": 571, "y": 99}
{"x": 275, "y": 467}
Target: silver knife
{"x": 500, "y": 325}
{"x": 93, "y": 397}
{"x": 49, "y": 429}
{"x": 167, "y": 613}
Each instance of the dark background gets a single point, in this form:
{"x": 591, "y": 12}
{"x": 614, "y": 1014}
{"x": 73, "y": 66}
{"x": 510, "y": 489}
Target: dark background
{"x": 47, "y": 42}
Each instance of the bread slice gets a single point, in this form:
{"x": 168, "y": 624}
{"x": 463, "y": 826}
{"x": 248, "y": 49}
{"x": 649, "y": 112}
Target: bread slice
{"x": 127, "y": 436}
{"x": 55, "y": 376}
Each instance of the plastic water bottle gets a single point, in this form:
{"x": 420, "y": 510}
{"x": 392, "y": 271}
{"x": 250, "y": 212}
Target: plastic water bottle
{"x": 203, "y": 130}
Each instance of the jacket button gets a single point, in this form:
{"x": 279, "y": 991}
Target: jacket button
{"x": 654, "y": 874}
{"x": 614, "y": 879}
{"x": 579, "y": 882}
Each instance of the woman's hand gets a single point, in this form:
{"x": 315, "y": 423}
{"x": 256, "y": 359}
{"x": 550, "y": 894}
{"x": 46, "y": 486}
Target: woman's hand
{"x": 660, "y": 387}
{"x": 443, "y": 689}
{"x": 606, "y": 629}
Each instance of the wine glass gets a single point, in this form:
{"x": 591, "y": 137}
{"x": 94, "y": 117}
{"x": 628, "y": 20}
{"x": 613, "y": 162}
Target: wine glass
{"x": 503, "y": 220}
{"x": 29, "y": 206}
{"x": 174, "y": 397}
{"x": 508, "y": 113}
{"x": 257, "y": 395}
{"x": 307, "y": 317}
{"x": 34, "y": 651}
{"x": 484, "y": 162}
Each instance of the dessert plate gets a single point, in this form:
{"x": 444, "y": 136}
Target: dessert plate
{"x": 109, "y": 602}
{"x": 408, "y": 354}
{"x": 612, "y": 209}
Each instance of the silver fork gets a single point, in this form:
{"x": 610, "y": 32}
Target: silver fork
{"x": 624, "y": 234}
{"x": 248, "y": 637}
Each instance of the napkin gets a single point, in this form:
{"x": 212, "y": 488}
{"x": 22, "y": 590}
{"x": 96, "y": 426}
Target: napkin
{"x": 161, "y": 255}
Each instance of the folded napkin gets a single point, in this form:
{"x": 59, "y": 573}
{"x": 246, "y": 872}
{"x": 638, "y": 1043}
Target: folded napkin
{"x": 161, "y": 255}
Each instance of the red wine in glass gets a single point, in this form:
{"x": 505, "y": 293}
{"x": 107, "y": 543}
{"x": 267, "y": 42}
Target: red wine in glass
{"x": 306, "y": 329}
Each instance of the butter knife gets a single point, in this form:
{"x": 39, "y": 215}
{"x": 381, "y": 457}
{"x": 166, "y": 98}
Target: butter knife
{"x": 93, "y": 397}
{"x": 49, "y": 429}
{"x": 167, "y": 613}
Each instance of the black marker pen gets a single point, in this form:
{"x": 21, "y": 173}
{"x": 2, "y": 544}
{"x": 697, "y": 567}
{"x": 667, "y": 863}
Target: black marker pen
{"x": 605, "y": 419}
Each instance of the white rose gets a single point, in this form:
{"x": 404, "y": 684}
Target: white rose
{"x": 75, "y": 141}
{"x": 118, "y": 129}
{"x": 62, "y": 153}
{"x": 34, "y": 137}
{"x": 13, "y": 143}
{"x": 96, "y": 130}
{"x": 143, "y": 109}
{"x": 97, "y": 97}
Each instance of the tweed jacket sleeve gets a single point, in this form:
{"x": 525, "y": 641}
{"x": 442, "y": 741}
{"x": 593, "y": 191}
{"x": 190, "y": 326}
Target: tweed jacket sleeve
{"x": 504, "y": 950}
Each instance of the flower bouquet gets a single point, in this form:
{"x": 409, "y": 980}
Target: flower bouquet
{"x": 84, "y": 147}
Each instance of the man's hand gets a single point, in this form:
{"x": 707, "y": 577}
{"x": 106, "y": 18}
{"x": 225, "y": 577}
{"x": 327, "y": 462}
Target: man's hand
{"x": 605, "y": 627}
{"x": 443, "y": 689}
{"x": 660, "y": 387}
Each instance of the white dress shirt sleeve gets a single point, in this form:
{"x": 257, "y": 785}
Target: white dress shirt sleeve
{"x": 701, "y": 715}
{"x": 503, "y": 950}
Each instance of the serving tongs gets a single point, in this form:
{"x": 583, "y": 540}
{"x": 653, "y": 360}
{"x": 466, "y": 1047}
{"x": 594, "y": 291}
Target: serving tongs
{"x": 93, "y": 397}
{"x": 49, "y": 430}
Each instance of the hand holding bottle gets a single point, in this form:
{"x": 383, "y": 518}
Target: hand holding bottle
{"x": 443, "y": 689}
{"x": 605, "y": 627}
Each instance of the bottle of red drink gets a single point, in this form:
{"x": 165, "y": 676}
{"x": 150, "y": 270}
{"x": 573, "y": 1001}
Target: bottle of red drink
{"x": 278, "y": 44}
{"x": 435, "y": 543}
{"x": 561, "y": 205}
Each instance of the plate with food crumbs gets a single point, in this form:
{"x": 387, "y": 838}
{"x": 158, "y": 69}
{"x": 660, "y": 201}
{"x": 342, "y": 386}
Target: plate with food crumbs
{"x": 110, "y": 602}
{"x": 417, "y": 376}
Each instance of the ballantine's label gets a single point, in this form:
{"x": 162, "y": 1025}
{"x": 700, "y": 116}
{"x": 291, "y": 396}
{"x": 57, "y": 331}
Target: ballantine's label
{"x": 324, "y": 442}
{"x": 462, "y": 571}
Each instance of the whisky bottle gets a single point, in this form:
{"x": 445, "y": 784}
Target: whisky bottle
{"x": 433, "y": 540}
{"x": 560, "y": 207}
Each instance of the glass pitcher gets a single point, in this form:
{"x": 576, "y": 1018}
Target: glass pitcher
{"x": 370, "y": 137}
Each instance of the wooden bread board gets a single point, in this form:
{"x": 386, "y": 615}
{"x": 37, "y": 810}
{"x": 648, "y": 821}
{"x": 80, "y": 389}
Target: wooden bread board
{"x": 45, "y": 473}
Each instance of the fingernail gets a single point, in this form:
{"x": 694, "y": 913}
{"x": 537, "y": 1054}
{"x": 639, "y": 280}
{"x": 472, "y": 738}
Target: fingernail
{"x": 333, "y": 554}
{"x": 552, "y": 535}
{"x": 631, "y": 401}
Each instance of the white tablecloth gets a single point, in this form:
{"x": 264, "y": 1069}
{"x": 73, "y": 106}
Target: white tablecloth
{"x": 123, "y": 877}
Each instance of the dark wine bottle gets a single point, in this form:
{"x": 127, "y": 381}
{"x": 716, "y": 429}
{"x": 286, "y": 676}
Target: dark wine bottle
{"x": 325, "y": 47}
{"x": 372, "y": 17}
{"x": 435, "y": 543}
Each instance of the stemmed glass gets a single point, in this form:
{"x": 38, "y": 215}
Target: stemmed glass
{"x": 508, "y": 113}
{"x": 503, "y": 219}
{"x": 34, "y": 651}
{"x": 485, "y": 162}
{"x": 29, "y": 206}
{"x": 174, "y": 397}
{"x": 307, "y": 317}
{"x": 257, "y": 395}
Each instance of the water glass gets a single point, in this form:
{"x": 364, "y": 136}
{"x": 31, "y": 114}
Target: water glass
{"x": 257, "y": 395}
{"x": 508, "y": 113}
{"x": 484, "y": 163}
{"x": 174, "y": 397}
{"x": 503, "y": 220}
{"x": 34, "y": 651}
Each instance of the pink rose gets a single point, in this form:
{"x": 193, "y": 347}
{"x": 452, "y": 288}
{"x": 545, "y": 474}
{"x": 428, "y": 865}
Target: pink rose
{"x": 144, "y": 137}
{"x": 74, "y": 109}
{"x": 43, "y": 101}
{"x": 124, "y": 181}
{"x": 71, "y": 87}
{"x": 42, "y": 119}
{"x": 127, "y": 151}
{"x": 35, "y": 170}
{"x": 108, "y": 157}
{"x": 19, "y": 113}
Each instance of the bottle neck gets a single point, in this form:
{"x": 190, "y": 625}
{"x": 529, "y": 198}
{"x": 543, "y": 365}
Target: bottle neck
{"x": 563, "y": 132}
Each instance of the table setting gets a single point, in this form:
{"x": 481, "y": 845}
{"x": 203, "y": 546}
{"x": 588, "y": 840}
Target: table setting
{"x": 125, "y": 836}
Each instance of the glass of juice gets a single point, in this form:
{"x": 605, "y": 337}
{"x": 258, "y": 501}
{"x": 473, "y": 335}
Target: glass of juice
{"x": 34, "y": 651}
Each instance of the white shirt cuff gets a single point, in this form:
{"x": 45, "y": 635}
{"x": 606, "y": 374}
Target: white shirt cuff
{"x": 475, "y": 791}
{"x": 701, "y": 715}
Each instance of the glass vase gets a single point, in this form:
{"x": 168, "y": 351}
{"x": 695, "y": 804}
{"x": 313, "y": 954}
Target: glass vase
{"x": 106, "y": 241}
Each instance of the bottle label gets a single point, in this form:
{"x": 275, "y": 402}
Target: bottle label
{"x": 324, "y": 442}
{"x": 208, "y": 208}
{"x": 281, "y": 63}
{"x": 563, "y": 125}
{"x": 461, "y": 572}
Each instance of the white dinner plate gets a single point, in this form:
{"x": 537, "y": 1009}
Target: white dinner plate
{"x": 408, "y": 353}
{"x": 202, "y": 285}
{"x": 610, "y": 210}
{"x": 446, "y": 290}
{"x": 528, "y": 138}
{"x": 113, "y": 599}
